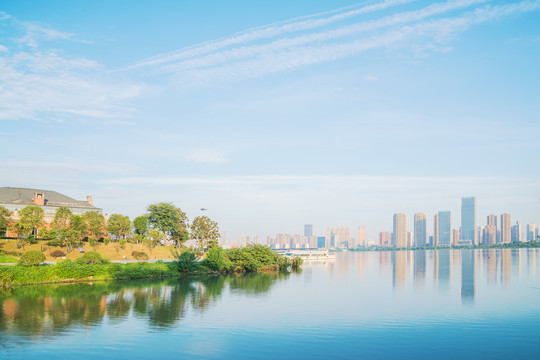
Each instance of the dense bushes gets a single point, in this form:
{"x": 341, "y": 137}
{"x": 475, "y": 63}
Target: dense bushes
{"x": 68, "y": 270}
{"x": 57, "y": 253}
{"x": 32, "y": 257}
{"x": 139, "y": 255}
{"x": 90, "y": 257}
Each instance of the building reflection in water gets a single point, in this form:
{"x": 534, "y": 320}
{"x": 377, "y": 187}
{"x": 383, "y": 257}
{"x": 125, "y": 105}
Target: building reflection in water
{"x": 467, "y": 276}
{"x": 399, "y": 262}
{"x": 419, "y": 269}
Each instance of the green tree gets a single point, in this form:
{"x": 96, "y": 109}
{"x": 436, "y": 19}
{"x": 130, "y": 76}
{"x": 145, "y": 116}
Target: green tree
{"x": 77, "y": 228}
{"x": 154, "y": 237}
{"x": 140, "y": 224}
{"x": 62, "y": 217}
{"x": 167, "y": 218}
{"x": 30, "y": 219}
{"x": 205, "y": 231}
{"x": 5, "y": 219}
{"x": 119, "y": 225}
{"x": 95, "y": 223}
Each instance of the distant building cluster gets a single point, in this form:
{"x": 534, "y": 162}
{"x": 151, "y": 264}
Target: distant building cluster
{"x": 498, "y": 230}
{"x": 444, "y": 234}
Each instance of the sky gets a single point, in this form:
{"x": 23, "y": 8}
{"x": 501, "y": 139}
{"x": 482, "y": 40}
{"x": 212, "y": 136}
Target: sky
{"x": 273, "y": 115}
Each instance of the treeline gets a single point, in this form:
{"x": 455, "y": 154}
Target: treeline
{"x": 162, "y": 222}
{"x": 91, "y": 266}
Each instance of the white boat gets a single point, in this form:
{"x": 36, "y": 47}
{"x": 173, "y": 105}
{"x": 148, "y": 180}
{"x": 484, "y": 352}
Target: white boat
{"x": 308, "y": 255}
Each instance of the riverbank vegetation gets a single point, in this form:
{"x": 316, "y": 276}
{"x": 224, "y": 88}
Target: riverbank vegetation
{"x": 91, "y": 266}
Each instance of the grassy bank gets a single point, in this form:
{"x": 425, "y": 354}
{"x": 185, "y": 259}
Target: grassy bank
{"x": 254, "y": 258}
{"x": 111, "y": 251}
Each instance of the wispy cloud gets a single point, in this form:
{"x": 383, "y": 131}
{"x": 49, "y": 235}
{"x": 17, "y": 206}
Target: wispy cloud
{"x": 39, "y": 83}
{"x": 294, "y": 25}
{"x": 235, "y": 58}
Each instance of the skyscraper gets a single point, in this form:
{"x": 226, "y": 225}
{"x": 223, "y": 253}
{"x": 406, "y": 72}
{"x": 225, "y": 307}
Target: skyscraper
{"x": 492, "y": 220}
{"x": 420, "y": 229}
{"x": 516, "y": 232}
{"x": 445, "y": 228}
{"x": 455, "y": 237}
{"x": 468, "y": 220}
{"x": 361, "y": 236}
{"x": 435, "y": 230}
{"x": 400, "y": 230}
{"x": 506, "y": 231}
{"x": 384, "y": 238}
{"x": 308, "y": 230}
{"x": 532, "y": 232}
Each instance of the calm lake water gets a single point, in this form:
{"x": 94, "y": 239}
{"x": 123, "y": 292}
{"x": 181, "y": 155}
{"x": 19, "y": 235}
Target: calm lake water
{"x": 404, "y": 304}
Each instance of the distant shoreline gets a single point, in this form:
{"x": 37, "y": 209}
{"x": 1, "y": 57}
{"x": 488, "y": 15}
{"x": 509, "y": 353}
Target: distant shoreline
{"x": 521, "y": 245}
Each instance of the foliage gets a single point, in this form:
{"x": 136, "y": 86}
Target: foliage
{"x": 181, "y": 234}
{"x": 62, "y": 217}
{"x": 164, "y": 217}
{"x": 256, "y": 257}
{"x": 186, "y": 261}
{"x": 57, "y": 253}
{"x": 140, "y": 224}
{"x": 217, "y": 260}
{"x": 5, "y": 215}
{"x": 32, "y": 257}
{"x": 140, "y": 255}
{"x": 119, "y": 225}
{"x": 95, "y": 223}
{"x": 205, "y": 231}
{"x": 93, "y": 242}
{"x": 90, "y": 257}
{"x": 30, "y": 218}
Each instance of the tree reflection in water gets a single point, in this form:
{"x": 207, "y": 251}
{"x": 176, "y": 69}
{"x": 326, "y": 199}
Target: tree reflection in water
{"x": 35, "y": 312}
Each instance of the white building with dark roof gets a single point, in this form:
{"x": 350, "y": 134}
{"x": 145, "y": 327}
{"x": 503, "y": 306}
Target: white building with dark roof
{"x": 15, "y": 199}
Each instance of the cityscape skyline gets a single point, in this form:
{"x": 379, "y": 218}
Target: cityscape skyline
{"x": 444, "y": 233}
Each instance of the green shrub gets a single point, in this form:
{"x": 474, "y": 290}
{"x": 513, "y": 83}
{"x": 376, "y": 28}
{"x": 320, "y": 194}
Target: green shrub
{"x": 297, "y": 262}
{"x": 217, "y": 260}
{"x": 140, "y": 255}
{"x": 57, "y": 253}
{"x": 186, "y": 261}
{"x": 32, "y": 257}
{"x": 91, "y": 257}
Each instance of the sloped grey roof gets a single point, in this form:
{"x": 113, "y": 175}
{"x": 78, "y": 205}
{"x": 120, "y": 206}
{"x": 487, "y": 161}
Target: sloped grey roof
{"x": 11, "y": 195}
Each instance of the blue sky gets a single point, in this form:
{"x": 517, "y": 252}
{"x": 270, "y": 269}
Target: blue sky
{"x": 275, "y": 114}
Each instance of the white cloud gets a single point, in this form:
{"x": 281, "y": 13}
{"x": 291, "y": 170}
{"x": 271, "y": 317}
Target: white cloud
{"x": 269, "y": 31}
{"x": 417, "y": 29}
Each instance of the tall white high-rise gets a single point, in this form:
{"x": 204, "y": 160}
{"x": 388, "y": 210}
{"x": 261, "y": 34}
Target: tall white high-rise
{"x": 506, "y": 231}
{"x": 400, "y": 230}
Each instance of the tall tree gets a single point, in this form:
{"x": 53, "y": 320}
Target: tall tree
{"x": 140, "y": 224}
{"x": 5, "y": 219}
{"x": 181, "y": 233}
{"x": 62, "y": 217}
{"x": 205, "y": 231}
{"x": 164, "y": 217}
{"x": 119, "y": 225}
{"x": 95, "y": 223}
{"x": 30, "y": 218}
